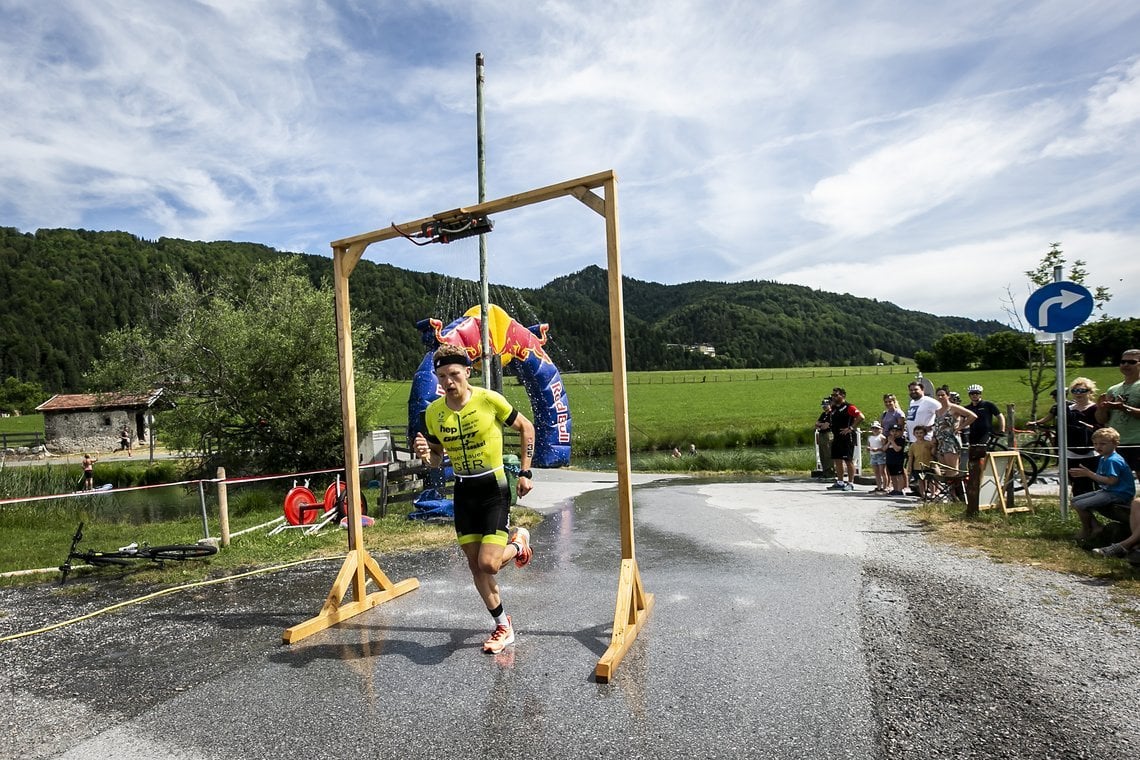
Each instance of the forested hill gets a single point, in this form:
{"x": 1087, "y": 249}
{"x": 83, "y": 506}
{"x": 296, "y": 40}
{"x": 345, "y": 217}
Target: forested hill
{"x": 61, "y": 290}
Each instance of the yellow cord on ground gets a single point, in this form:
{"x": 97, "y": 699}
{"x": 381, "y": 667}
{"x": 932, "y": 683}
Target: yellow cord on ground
{"x": 164, "y": 592}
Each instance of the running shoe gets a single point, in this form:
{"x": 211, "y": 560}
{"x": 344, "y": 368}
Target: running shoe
{"x": 1112, "y": 550}
{"x": 503, "y": 636}
{"x": 522, "y": 541}
{"x": 848, "y": 486}
{"x": 836, "y": 486}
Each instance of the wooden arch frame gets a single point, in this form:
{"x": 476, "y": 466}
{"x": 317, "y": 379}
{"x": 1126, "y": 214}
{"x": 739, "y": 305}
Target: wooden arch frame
{"x": 633, "y": 603}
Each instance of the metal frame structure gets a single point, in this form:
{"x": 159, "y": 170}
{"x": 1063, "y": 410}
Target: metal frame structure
{"x": 633, "y": 603}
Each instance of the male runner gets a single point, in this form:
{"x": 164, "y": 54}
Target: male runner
{"x": 467, "y": 422}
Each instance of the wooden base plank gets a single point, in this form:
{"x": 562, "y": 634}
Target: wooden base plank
{"x": 632, "y": 611}
{"x": 358, "y": 566}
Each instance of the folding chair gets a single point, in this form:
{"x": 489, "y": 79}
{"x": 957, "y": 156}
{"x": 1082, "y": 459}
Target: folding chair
{"x": 942, "y": 483}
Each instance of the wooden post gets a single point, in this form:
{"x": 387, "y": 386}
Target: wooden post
{"x": 223, "y": 507}
{"x": 633, "y": 604}
{"x": 358, "y": 565}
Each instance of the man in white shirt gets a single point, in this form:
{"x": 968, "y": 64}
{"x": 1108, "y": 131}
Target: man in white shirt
{"x": 922, "y": 410}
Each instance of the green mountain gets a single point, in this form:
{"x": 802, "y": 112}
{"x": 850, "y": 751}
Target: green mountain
{"x": 61, "y": 290}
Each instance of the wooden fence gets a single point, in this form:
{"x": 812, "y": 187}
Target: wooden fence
{"x": 19, "y": 440}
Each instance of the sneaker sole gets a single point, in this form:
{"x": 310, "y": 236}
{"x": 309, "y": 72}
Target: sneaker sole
{"x": 522, "y": 560}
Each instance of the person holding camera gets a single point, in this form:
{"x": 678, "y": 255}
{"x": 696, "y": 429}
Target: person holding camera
{"x": 842, "y": 422}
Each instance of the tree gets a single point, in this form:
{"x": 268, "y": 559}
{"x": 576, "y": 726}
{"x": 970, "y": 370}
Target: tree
{"x": 1103, "y": 341}
{"x": 20, "y": 397}
{"x": 1006, "y": 350}
{"x": 926, "y": 361}
{"x": 249, "y": 369}
{"x": 957, "y": 351}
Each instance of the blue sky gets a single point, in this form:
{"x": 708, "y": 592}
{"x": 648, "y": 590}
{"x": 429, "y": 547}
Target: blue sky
{"x": 920, "y": 153}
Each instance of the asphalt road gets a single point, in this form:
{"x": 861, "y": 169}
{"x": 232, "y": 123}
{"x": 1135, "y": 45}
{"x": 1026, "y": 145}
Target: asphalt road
{"x": 790, "y": 622}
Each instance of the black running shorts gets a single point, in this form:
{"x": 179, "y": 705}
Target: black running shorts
{"x": 482, "y": 507}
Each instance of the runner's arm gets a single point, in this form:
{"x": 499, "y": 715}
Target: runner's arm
{"x": 526, "y": 450}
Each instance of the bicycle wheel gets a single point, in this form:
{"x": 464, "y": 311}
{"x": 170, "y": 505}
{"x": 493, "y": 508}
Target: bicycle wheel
{"x": 179, "y": 552}
{"x": 1030, "y": 465}
{"x": 1037, "y": 460}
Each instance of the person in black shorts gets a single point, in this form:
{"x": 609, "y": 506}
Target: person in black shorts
{"x": 845, "y": 418}
{"x": 467, "y": 423}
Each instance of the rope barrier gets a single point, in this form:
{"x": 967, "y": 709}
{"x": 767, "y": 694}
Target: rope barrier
{"x": 228, "y": 481}
{"x": 163, "y": 592}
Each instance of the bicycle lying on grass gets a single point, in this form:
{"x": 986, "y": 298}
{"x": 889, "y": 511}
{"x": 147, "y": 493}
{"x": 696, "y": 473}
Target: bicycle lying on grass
{"x": 126, "y": 555}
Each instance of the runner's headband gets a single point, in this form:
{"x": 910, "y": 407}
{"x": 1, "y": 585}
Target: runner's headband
{"x": 440, "y": 361}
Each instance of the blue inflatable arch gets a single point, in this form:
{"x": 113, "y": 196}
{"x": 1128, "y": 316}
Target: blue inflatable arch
{"x": 549, "y": 404}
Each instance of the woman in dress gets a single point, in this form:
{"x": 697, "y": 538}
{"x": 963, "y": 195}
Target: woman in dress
{"x": 949, "y": 423}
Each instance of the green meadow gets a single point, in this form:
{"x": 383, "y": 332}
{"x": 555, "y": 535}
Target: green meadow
{"x": 726, "y": 409}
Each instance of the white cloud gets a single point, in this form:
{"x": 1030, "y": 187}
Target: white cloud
{"x": 750, "y": 139}
{"x": 913, "y": 175}
{"x": 1113, "y": 115}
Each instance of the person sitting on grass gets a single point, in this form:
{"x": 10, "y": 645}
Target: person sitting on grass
{"x": 918, "y": 458}
{"x": 1129, "y": 546}
{"x": 1116, "y": 490}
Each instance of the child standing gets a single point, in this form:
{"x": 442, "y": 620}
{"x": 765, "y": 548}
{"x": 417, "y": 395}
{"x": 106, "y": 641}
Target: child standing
{"x": 895, "y": 455}
{"x": 919, "y": 457}
{"x": 877, "y": 446}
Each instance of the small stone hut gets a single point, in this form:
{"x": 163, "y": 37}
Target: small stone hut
{"x": 91, "y": 422}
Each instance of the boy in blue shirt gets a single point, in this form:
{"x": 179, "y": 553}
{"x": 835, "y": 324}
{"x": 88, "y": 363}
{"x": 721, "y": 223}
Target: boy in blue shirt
{"x": 1117, "y": 488}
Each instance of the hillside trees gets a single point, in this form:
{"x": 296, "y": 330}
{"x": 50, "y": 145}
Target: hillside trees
{"x": 249, "y": 368}
{"x": 62, "y": 290}
{"x": 20, "y": 397}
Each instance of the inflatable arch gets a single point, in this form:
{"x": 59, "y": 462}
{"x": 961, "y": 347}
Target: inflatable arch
{"x": 513, "y": 342}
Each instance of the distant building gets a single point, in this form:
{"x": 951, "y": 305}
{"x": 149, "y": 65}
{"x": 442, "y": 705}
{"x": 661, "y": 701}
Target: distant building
{"x": 81, "y": 422}
{"x": 705, "y": 349}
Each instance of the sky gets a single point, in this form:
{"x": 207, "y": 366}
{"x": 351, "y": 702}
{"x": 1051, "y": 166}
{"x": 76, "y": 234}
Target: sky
{"x": 925, "y": 154}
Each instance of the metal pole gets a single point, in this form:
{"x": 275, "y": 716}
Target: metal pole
{"x": 1062, "y": 415}
{"x": 484, "y": 297}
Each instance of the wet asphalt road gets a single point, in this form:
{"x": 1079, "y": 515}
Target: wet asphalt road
{"x": 757, "y": 647}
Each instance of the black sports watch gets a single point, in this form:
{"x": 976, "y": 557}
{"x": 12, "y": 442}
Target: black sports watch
{"x": 526, "y": 474}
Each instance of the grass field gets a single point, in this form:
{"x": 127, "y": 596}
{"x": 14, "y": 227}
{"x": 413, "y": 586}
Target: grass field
{"x": 723, "y": 409}
{"x": 726, "y": 409}
{"x": 25, "y": 423}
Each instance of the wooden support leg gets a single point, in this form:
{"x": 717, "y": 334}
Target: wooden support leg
{"x": 633, "y": 608}
{"x": 353, "y": 575}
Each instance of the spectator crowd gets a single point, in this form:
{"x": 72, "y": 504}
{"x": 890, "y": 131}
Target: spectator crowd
{"x": 939, "y": 435}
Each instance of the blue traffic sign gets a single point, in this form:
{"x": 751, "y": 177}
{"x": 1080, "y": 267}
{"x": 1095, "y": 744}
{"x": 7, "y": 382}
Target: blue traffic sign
{"x": 1059, "y": 307}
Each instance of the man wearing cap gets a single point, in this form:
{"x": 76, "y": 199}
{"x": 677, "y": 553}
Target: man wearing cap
{"x": 983, "y": 427}
{"x": 467, "y": 422}
{"x": 1119, "y": 408}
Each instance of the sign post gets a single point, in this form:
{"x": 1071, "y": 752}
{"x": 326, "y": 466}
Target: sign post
{"x": 1058, "y": 308}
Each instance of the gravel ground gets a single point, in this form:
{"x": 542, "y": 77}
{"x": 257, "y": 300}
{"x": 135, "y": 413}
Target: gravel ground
{"x": 973, "y": 659}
